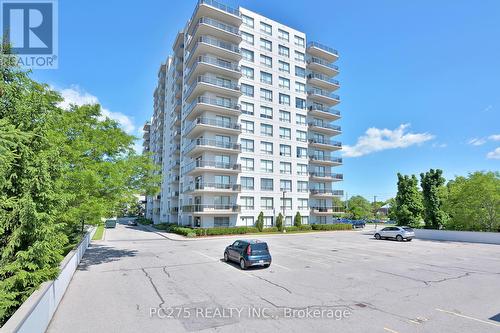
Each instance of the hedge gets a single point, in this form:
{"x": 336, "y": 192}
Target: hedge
{"x": 143, "y": 220}
{"x": 188, "y": 232}
{"x": 270, "y": 229}
{"x": 225, "y": 231}
{"x": 303, "y": 227}
{"x": 335, "y": 226}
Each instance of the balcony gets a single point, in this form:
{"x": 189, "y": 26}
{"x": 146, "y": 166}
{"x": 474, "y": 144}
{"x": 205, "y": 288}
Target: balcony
{"x": 215, "y": 85}
{"x": 325, "y": 144}
{"x": 216, "y": 10}
{"x": 325, "y": 160}
{"x": 324, "y": 112}
{"x": 321, "y": 210}
{"x": 323, "y": 192}
{"x": 219, "y": 209}
{"x": 323, "y": 81}
{"x": 200, "y": 145}
{"x": 204, "y": 64}
{"x": 175, "y": 179}
{"x": 216, "y": 28}
{"x": 175, "y": 149}
{"x": 328, "y": 176}
{"x": 325, "y": 128}
{"x": 217, "y": 47}
{"x": 201, "y": 166}
{"x": 322, "y": 51}
{"x": 174, "y": 210}
{"x": 213, "y": 188}
{"x": 322, "y": 66}
{"x": 217, "y": 105}
{"x": 199, "y": 125}
{"x": 323, "y": 96}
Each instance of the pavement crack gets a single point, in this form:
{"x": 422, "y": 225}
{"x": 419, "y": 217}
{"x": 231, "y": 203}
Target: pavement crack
{"x": 428, "y": 282}
{"x": 306, "y": 306}
{"x": 165, "y": 271}
{"x": 273, "y": 283}
{"x": 405, "y": 277}
{"x": 154, "y": 287}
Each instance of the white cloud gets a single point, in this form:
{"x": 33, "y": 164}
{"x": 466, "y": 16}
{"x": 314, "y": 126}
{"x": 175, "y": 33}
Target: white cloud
{"x": 439, "y": 145}
{"x": 376, "y": 139}
{"x": 494, "y": 137}
{"x": 494, "y": 155}
{"x": 77, "y": 96}
{"x": 477, "y": 141}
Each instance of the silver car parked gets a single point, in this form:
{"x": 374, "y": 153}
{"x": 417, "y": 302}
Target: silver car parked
{"x": 397, "y": 233}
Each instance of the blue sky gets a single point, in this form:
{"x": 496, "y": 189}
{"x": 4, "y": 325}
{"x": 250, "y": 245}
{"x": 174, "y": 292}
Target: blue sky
{"x": 423, "y": 75}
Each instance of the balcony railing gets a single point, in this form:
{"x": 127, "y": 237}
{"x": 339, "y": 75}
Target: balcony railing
{"x": 323, "y": 47}
{"x": 213, "y": 81}
{"x": 219, "y": 6}
{"x": 213, "y": 143}
{"x": 214, "y": 42}
{"x": 323, "y": 78}
{"x": 323, "y": 209}
{"x": 338, "y": 176}
{"x": 216, "y": 186}
{"x": 326, "y": 158}
{"x": 326, "y": 191}
{"x": 321, "y": 92}
{"x": 217, "y": 24}
{"x": 212, "y": 164}
{"x": 174, "y": 210}
{"x": 214, "y": 61}
{"x": 324, "y": 109}
{"x": 212, "y": 101}
{"x": 323, "y": 125}
{"x": 213, "y": 122}
{"x": 323, "y": 63}
{"x": 196, "y": 208}
{"x": 326, "y": 142}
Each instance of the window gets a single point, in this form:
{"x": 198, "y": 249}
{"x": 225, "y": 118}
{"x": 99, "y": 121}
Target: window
{"x": 268, "y": 220}
{"x": 299, "y": 41}
{"x": 300, "y": 72}
{"x": 286, "y": 203}
{"x": 247, "y": 221}
{"x": 285, "y": 150}
{"x": 247, "y": 126}
{"x": 299, "y": 56}
{"x": 301, "y": 169}
{"x": 285, "y": 168}
{"x": 300, "y": 87}
{"x": 221, "y": 221}
{"x": 285, "y": 185}
{"x": 288, "y": 219}
{"x": 300, "y": 119}
{"x": 266, "y": 184}
{"x": 300, "y": 103}
{"x": 266, "y": 112}
{"x": 266, "y": 129}
{"x": 266, "y": 95}
{"x": 284, "y": 116}
{"x": 305, "y": 219}
{"x": 247, "y": 164}
{"x": 285, "y": 133}
{"x": 302, "y": 186}
{"x": 283, "y": 66}
{"x": 247, "y": 90}
{"x": 247, "y": 37}
{"x": 266, "y": 166}
{"x": 301, "y": 136}
{"x": 247, "y": 72}
{"x": 247, "y": 54}
{"x": 266, "y": 28}
{"x": 247, "y": 146}
{"x": 247, "y": 203}
{"x": 247, "y": 20}
{"x": 266, "y": 61}
{"x": 266, "y": 148}
{"x": 266, "y": 203}
{"x": 301, "y": 152}
{"x": 284, "y": 83}
{"x": 247, "y": 183}
{"x": 283, "y": 35}
{"x": 284, "y": 99}
{"x": 266, "y": 78}
{"x": 303, "y": 203}
{"x": 283, "y": 51}
{"x": 247, "y": 108}
{"x": 266, "y": 45}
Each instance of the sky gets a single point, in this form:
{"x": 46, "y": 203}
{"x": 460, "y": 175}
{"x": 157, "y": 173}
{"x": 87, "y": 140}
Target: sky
{"x": 420, "y": 80}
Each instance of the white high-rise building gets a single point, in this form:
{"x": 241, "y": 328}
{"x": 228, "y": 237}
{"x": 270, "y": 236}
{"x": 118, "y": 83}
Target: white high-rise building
{"x": 246, "y": 125}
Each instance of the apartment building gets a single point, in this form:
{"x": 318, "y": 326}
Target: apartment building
{"x": 248, "y": 123}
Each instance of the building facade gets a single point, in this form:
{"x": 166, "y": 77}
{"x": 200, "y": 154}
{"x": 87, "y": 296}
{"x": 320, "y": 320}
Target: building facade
{"x": 247, "y": 124}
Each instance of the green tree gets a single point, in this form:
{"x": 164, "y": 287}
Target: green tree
{"x": 279, "y": 222}
{"x": 297, "y": 221}
{"x": 408, "y": 208}
{"x": 359, "y": 208}
{"x": 432, "y": 183}
{"x": 260, "y": 222}
{"x": 473, "y": 202}
{"x": 338, "y": 207}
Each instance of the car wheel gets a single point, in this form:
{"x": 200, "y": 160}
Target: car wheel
{"x": 399, "y": 238}
{"x": 267, "y": 265}
{"x": 242, "y": 264}
{"x": 377, "y": 236}
{"x": 226, "y": 258}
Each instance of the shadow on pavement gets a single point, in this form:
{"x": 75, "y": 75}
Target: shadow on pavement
{"x": 98, "y": 254}
{"x": 237, "y": 266}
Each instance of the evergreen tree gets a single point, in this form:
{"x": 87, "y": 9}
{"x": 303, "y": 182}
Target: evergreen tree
{"x": 260, "y": 222}
{"x": 408, "y": 202}
{"x": 297, "y": 220}
{"x": 279, "y": 222}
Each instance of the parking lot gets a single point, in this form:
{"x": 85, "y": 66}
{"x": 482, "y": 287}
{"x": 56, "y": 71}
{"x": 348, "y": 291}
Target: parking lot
{"x": 136, "y": 280}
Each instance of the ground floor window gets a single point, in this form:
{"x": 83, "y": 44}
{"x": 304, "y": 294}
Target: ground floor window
{"x": 247, "y": 221}
{"x": 268, "y": 221}
{"x": 221, "y": 221}
{"x": 305, "y": 219}
{"x": 288, "y": 221}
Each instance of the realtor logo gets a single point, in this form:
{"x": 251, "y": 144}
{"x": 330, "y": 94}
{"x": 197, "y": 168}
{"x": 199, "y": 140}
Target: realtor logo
{"x": 30, "y": 29}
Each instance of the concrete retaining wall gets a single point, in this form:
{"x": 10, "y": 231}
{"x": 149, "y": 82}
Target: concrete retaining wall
{"x": 459, "y": 236}
{"x": 35, "y": 313}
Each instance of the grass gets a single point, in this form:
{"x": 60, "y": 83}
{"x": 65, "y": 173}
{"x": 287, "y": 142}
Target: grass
{"x": 99, "y": 232}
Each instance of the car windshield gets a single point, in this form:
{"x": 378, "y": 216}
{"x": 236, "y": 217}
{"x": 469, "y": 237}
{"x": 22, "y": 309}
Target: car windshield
{"x": 408, "y": 229}
{"x": 259, "y": 248}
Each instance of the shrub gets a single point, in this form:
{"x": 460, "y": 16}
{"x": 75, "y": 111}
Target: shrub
{"x": 188, "y": 232}
{"x": 335, "y": 226}
{"x": 143, "y": 220}
{"x": 279, "y": 222}
{"x": 270, "y": 229}
{"x": 225, "y": 231}
{"x": 304, "y": 227}
{"x": 297, "y": 222}
{"x": 260, "y": 222}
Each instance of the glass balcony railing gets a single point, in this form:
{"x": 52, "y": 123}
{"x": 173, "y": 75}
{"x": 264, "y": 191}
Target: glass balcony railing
{"x": 215, "y": 186}
{"x": 326, "y": 158}
{"x": 212, "y": 164}
{"x": 323, "y": 63}
{"x": 324, "y": 109}
{"x": 214, "y": 144}
{"x": 212, "y": 101}
{"x": 219, "y": 6}
{"x": 323, "y": 47}
{"x": 325, "y": 142}
{"x": 217, "y": 24}
{"x": 213, "y": 122}
{"x": 324, "y": 93}
{"x": 325, "y": 125}
{"x": 214, "y": 42}
{"x": 215, "y": 62}
{"x": 323, "y": 209}
{"x": 323, "y": 78}
{"x": 198, "y": 208}
{"x": 337, "y": 176}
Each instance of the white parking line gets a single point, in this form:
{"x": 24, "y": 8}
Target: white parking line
{"x": 280, "y": 266}
{"x": 389, "y": 330}
{"x": 467, "y": 317}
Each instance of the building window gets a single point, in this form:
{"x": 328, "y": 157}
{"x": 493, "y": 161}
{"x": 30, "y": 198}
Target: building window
{"x": 247, "y": 183}
{"x": 286, "y": 203}
{"x": 266, "y": 184}
{"x": 299, "y": 41}
{"x": 285, "y": 185}
{"x": 284, "y": 116}
{"x": 301, "y": 136}
{"x": 266, "y": 45}
{"x": 266, "y": 61}
{"x": 266, "y": 112}
{"x": 288, "y": 220}
{"x": 284, "y": 99}
{"x": 268, "y": 220}
{"x": 247, "y": 164}
{"x": 301, "y": 152}
{"x": 284, "y": 83}
{"x": 247, "y": 221}
{"x": 266, "y": 28}
{"x": 300, "y": 103}
{"x": 247, "y": 126}
{"x": 266, "y": 129}
{"x": 266, "y": 78}
{"x": 283, "y": 35}
{"x": 266, "y": 148}
{"x": 285, "y": 150}
{"x": 300, "y": 72}
{"x": 305, "y": 219}
{"x": 247, "y": 108}
{"x": 284, "y": 67}
{"x": 283, "y": 51}
{"x": 285, "y": 168}
{"x": 266, "y": 166}
{"x": 247, "y": 55}
{"x": 285, "y": 133}
{"x": 247, "y": 37}
{"x": 247, "y": 20}
{"x": 221, "y": 221}
{"x": 302, "y": 186}
{"x": 301, "y": 169}
{"x": 247, "y": 203}
{"x": 300, "y": 87}
{"x": 247, "y": 90}
{"x": 300, "y": 119}
{"x": 247, "y": 72}
{"x": 247, "y": 146}
{"x": 299, "y": 56}
{"x": 266, "y": 203}
{"x": 266, "y": 95}
{"x": 303, "y": 203}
